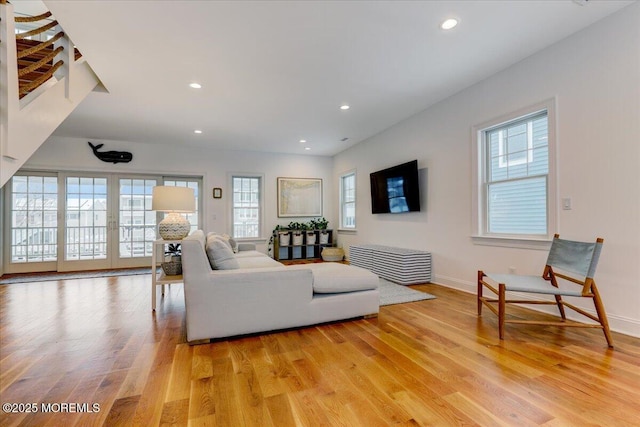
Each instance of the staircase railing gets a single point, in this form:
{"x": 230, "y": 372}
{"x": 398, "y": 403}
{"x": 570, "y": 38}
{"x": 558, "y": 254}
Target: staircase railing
{"x": 38, "y": 61}
{"x": 41, "y": 82}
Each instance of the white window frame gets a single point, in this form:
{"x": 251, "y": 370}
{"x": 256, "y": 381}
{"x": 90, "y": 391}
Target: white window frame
{"x": 342, "y": 202}
{"x": 261, "y": 196}
{"x": 480, "y": 235}
{"x": 502, "y": 149}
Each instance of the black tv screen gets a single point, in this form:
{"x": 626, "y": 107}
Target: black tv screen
{"x": 396, "y": 189}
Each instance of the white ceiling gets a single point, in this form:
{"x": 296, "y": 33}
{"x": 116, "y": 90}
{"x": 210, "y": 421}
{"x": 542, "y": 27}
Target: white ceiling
{"x": 277, "y": 72}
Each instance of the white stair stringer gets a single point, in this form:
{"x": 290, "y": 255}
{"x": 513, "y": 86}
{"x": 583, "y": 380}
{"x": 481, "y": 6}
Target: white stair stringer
{"x": 25, "y": 124}
{"x": 26, "y": 129}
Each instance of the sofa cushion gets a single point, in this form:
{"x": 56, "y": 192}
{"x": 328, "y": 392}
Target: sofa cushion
{"x": 331, "y": 278}
{"x": 226, "y": 238}
{"x": 220, "y": 255}
{"x": 232, "y": 242}
{"x": 258, "y": 262}
{"x": 251, "y": 254}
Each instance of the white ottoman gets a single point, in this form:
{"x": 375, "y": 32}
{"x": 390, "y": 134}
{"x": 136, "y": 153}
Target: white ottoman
{"x": 331, "y": 278}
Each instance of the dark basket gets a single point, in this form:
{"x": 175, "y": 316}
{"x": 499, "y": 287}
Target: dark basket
{"x": 172, "y": 268}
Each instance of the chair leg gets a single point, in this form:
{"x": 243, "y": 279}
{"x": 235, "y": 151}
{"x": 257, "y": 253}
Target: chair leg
{"x": 560, "y": 307}
{"x": 480, "y": 286}
{"x": 602, "y": 315}
{"x": 502, "y": 305}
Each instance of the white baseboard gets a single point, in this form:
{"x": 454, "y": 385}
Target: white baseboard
{"x": 621, "y": 324}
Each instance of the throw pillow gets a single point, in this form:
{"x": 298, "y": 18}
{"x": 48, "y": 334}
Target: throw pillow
{"x": 220, "y": 255}
{"x": 227, "y": 239}
{"x": 232, "y": 243}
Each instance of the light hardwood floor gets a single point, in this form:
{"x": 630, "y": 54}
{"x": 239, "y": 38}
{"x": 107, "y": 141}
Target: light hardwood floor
{"x": 431, "y": 363}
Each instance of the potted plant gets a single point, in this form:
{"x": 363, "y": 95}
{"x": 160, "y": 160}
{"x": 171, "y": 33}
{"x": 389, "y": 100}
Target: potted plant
{"x": 297, "y": 231}
{"x": 318, "y": 223}
{"x": 321, "y": 224}
{"x": 172, "y": 265}
{"x": 284, "y": 238}
{"x": 311, "y": 233}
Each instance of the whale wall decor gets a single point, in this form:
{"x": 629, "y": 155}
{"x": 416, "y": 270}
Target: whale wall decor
{"x": 111, "y": 156}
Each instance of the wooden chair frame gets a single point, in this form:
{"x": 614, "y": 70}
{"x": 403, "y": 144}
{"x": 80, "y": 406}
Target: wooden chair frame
{"x": 589, "y": 290}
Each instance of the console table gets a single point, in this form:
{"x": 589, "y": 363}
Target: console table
{"x": 402, "y": 266}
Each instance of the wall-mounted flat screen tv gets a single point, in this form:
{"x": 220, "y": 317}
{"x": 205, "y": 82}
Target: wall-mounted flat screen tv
{"x": 396, "y": 189}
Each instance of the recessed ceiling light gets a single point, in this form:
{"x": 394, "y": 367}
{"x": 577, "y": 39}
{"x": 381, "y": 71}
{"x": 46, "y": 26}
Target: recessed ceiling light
{"x": 198, "y": 131}
{"x": 344, "y": 107}
{"x": 449, "y": 24}
{"x": 302, "y": 141}
{"x": 195, "y": 85}
{"x": 307, "y": 148}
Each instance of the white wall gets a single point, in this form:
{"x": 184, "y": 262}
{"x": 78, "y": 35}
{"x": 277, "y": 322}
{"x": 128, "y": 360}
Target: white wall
{"x": 595, "y": 77}
{"x": 214, "y": 165}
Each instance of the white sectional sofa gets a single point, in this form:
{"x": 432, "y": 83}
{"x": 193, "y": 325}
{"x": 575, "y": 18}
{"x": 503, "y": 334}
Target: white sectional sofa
{"x": 229, "y": 294}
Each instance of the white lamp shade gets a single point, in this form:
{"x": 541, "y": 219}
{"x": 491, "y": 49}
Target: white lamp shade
{"x": 173, "y": 199}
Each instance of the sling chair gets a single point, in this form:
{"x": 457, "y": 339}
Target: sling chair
{"x": 576, "y": 258}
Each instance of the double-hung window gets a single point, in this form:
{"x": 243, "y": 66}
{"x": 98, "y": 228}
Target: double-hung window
{"x": 348, "y": 201}
{"x": 247, "y": 206}
{"x": 515, "y": 183}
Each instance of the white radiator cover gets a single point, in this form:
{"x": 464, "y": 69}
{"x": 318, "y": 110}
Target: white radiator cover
{"x": 402, "y": 266}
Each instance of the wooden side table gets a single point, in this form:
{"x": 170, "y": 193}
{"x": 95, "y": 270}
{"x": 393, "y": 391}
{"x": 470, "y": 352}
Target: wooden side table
{"x": 158, "y": 277}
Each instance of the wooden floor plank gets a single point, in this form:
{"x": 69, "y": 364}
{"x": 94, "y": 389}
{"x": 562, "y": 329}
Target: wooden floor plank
{"x": 180, "y": 379}
{"x": 280, "y": 410}
{"x": 122, "y": 411}
{"x": 417, "y": 364}
{"x": 175, "y": 414}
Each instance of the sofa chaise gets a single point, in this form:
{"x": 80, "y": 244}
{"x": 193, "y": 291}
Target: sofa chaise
{"x": 228, "y": 294}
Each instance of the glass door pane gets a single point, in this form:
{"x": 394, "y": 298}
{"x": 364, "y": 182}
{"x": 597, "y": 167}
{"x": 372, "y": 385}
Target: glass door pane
{"x": 86, "y": 218}
{"x": 137, "y": 222}
{"x": 32, "y": 200}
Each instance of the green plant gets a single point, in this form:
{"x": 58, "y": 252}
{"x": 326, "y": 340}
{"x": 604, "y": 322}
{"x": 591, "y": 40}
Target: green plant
{"x": 298, "y": 226}
{"x": 173, "y": 249}
{"x": 274, "y": 232}
{"x": 319, "y": 223}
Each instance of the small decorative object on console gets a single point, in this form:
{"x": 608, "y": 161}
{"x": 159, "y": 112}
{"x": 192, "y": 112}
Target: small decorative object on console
{"x": 172, "y": 267}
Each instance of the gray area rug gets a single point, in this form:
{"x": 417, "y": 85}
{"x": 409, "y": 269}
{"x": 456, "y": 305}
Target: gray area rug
{"x": 390, "y": 293}
{"x": 45, "y": 277}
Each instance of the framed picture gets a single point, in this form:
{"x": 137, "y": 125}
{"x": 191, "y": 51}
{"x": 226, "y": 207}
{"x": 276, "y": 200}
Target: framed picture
{"x": 217, "y": 193}
{"x": 299, "y": 197}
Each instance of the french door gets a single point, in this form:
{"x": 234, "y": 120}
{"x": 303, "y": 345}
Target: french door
{"x": 83, "y": 221}
{"x": 70, "y": 222}
{"x": 108, "y": 222}
{"x": 31, "y": 231}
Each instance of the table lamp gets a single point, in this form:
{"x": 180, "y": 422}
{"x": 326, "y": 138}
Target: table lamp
{"x": 174, "y": 200}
